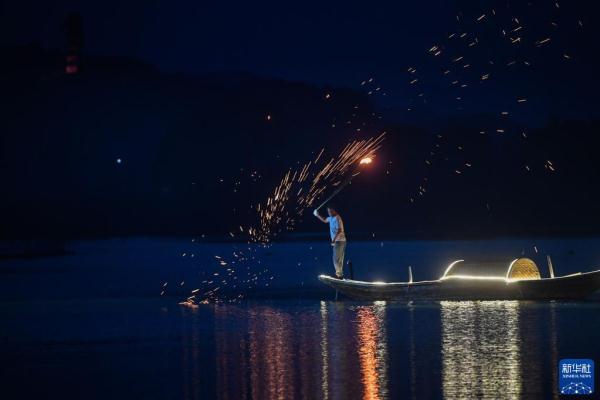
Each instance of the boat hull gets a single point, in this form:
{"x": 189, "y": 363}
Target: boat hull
{"x": 576, "y": 286}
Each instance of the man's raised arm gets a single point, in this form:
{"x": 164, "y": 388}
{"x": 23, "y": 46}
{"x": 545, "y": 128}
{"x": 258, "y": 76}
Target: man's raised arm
{"x": 316, "y": 214}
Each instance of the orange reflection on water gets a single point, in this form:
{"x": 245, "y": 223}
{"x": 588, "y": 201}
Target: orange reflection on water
{"x": 372, "y": 350}
{"x": 271, "y": 355}
{"x": 268, "y": 353}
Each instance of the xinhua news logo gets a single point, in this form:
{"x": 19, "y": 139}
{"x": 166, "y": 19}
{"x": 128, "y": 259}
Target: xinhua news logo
{"x": 576, "y": 376}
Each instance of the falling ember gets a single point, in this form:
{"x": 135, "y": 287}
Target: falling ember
{"x": 189, "y": 303}
{"x": 282, "y": 207}
{"x": 304, "y": 184}
{"x": 540, "y": 42}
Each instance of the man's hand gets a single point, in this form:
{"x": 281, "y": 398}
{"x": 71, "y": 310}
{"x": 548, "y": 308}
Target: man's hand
{"x": 316, "y": 214}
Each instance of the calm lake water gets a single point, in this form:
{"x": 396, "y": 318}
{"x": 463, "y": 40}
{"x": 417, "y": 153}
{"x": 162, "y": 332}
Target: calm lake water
{"x": 92, "y": 325}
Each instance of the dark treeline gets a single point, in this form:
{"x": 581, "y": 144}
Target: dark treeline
{"x": 120, "y": 148}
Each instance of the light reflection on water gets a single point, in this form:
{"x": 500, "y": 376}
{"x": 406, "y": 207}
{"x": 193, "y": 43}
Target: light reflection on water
{"x": 271, "y": 365}
{"x": 480, "y": 350}
{"x": 329, "y": 350}
{"x": 294, "y": 349}
{"x": 324, "y": 352}
{"x": 372, "y": 350}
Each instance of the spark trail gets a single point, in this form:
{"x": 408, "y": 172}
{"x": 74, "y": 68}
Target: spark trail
{"x": 296, "y": 192}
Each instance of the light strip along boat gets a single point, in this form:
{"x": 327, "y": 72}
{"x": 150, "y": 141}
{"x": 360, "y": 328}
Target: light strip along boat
{"x": 519, "y": 279}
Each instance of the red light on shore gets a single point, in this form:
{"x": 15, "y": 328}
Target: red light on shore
{"x": 71, "y": 69}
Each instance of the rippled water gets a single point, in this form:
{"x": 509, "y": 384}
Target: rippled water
{"x": 289, "y": 349}
{"x": 92, "y": 325}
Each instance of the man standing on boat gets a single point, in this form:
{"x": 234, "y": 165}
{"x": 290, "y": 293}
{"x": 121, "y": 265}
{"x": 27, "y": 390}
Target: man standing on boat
{"x": 338, "y": 238}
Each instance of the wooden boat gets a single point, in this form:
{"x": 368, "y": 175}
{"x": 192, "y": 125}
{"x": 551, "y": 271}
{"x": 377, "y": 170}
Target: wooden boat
{"x": 519, "y": 279}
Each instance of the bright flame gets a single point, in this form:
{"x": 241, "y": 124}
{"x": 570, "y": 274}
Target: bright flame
{"x": 366, "y": 160}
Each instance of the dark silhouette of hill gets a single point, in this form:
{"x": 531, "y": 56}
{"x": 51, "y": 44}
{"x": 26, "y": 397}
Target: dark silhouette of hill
{"x": 121, "y": 148}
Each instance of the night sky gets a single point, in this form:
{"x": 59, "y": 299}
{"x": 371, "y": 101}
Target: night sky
{"x": 332, "y": 43}
{"x": 342, "y": 44}
{"x": 172, "y": 101}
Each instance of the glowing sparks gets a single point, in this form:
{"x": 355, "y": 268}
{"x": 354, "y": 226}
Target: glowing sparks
{"x": 296, "y": 191}
{"x": 542, "y": 42}
{"x": 302, "y": 185}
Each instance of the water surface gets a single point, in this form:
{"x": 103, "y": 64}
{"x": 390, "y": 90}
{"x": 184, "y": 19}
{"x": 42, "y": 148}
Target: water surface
{"x": 92, "y": 325}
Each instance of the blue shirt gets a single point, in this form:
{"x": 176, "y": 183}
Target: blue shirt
{"x": 335, "y": 224}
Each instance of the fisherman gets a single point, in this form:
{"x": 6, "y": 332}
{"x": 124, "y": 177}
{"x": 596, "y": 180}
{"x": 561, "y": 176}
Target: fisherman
{"x": 338, "y": 238}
